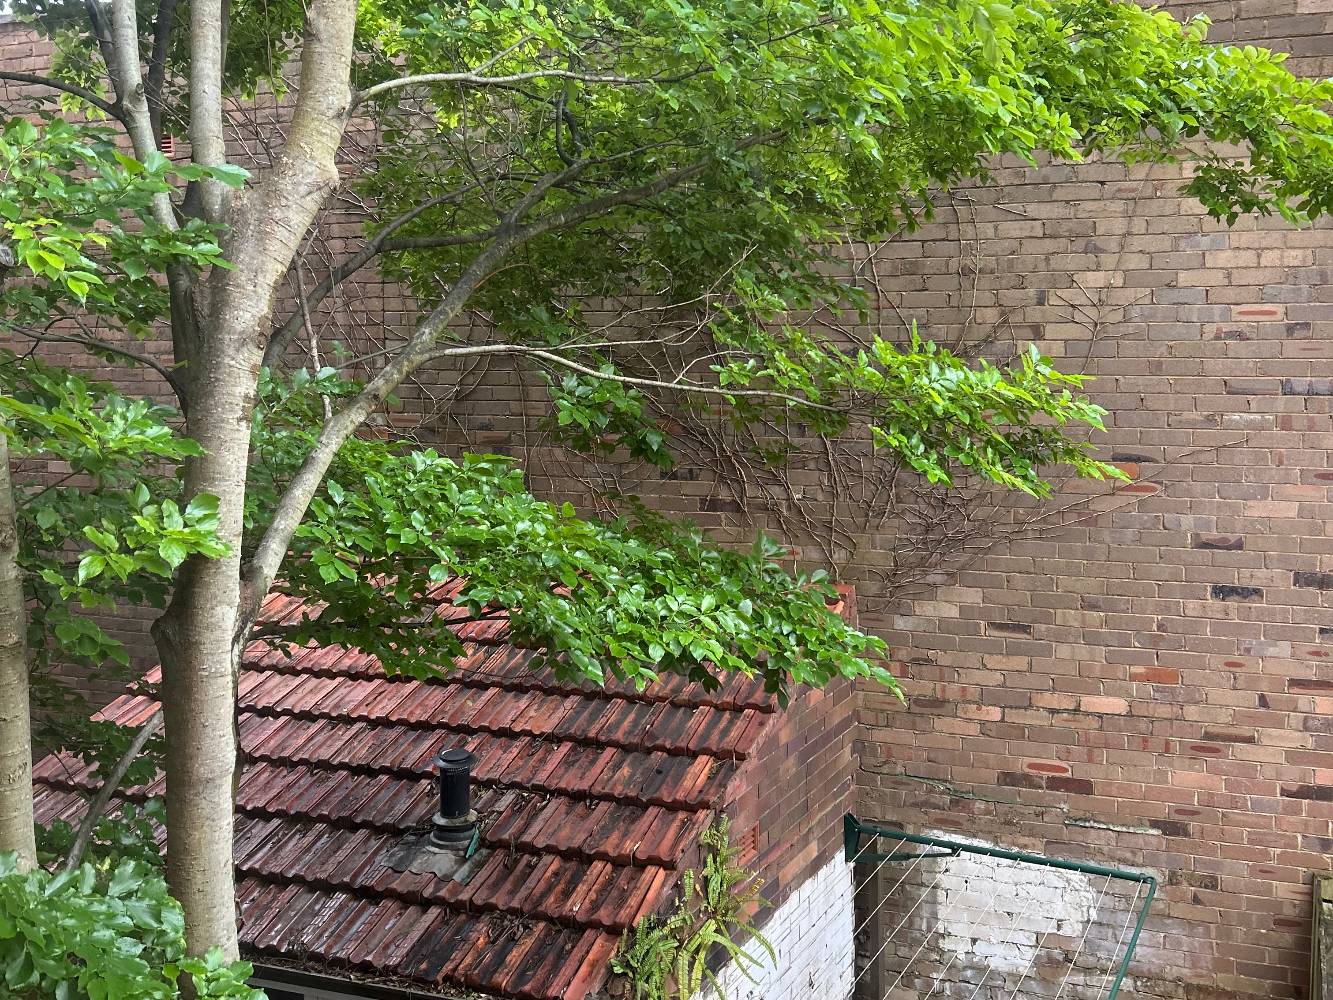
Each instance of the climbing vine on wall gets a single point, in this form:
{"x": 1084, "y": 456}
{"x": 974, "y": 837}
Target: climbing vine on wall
{"x": 667, "y": 958}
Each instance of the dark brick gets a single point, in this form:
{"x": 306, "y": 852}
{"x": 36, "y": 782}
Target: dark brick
{"x": 1312, "y": 793}
{"x": 1195, "y": 880}
{"x": 1016, "y": 779}
{"x": 1231, "y": 735}
{"x": 1226, "y": 592}
{"x": 1072, "y": 786}
{"x": 1171, "y": 827}
{"x": 1322, "y": 724}
{"x": 1317, "y": 581}
{"x": 1302, "y": 685}
{"x": 1009, "y": 628}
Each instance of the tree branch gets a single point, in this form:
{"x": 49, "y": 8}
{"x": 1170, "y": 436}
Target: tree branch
{"x": 84, "y": 95}
{"x": 128, "y": 78}
{"x": 93, "y": 345}
{"x": 99, "y": 803}
{"x": 382, "y": 243}
{"x": 547, "y": 354}
{"x": 282, "y": 335}
{"x": 475, "y": 79}
{"x": 163, "y": 23}
{"x": 268, "y": 556}
{"x": 101, "y": 32}
{"x": 208, "y": 144}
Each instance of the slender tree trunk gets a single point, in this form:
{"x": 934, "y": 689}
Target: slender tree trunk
{"x": 196, "y": 639}
{"x": 16, "y": 833}
{"x": 201, "y": 634}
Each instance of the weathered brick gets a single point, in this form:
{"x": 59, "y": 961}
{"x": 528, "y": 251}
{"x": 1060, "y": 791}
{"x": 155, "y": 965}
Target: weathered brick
{"x": 1308, "y": 578}
{"x": 1313, "y": 793}
{"x": 1230, "y": 592}
{"x": 1307, "y": 387}
{"x": 1223, "y": 543}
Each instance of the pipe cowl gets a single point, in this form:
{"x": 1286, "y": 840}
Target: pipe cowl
{"x": 455, "y": 823}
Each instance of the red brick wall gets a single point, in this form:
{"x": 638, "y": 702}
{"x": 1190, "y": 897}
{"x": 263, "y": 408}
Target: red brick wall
{"x": 1153, "y": 687}
{"x": 787, "y": 803}
{"x": 791, "y": 797}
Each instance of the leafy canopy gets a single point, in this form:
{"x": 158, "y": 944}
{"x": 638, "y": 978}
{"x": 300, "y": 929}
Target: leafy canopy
{"x": 83, "y": 251}
{"x": 109, "y": 529}
{"x": 731, "y": 149}
{"x": 718, "y": 155}
{"x": 625, "y": 599}
{"x": 75, "y": 215}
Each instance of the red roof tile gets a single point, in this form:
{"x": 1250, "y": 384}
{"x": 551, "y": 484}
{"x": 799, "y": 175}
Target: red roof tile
{"x": 589, "y": 798}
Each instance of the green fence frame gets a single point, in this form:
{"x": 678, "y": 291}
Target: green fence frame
{"x": 941, "y": 847}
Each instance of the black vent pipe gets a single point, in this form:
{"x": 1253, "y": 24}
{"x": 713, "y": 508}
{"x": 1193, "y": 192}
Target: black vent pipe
{"x": 455, "y": 823}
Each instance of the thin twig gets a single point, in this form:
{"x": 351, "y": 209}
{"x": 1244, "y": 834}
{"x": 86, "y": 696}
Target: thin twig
{"x": 114, "y": 110}
{"x": 99, "y": 803}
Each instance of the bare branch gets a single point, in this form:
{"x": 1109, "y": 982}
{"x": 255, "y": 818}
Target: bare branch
{"x": 128, "y": 77}
{"x": 419, "y": 349}
{"x": 163, "y": 24}
{"x": 84, "y": 95}
{"x": 209, "y": 145}
{"x": 99, "y": 803}
{"x": 547, "y": 354}
{"x": 476, "y": 79}
{"x": 95, "y": 346}
{"x": 282, "y": 336}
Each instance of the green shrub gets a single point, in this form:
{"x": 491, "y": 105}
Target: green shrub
{"x": 102, "y": 933}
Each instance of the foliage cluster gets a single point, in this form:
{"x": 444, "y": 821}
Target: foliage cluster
{"x": 75, "y": 212}
{"x": 625, "y": 599}
{"x": 108, "y": 528}
{"x": 673, "y": 957}
{"x": 102, "y": 932}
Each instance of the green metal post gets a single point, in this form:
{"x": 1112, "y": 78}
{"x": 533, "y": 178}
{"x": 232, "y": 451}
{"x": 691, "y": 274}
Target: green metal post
{"x": 1133, "y": 938}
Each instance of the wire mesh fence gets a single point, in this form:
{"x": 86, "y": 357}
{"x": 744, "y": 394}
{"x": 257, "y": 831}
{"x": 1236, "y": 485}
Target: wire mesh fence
{"x": 951, "y": 918}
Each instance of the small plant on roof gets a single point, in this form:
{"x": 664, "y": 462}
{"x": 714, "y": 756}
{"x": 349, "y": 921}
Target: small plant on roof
{"x": 667, "y": 958}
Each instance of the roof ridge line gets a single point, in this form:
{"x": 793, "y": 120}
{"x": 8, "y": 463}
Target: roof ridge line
{"x": 509, "y": 684}
{"x": 671, "y": 750}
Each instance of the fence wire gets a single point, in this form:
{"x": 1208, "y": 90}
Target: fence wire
{"x": 950, "y": 918}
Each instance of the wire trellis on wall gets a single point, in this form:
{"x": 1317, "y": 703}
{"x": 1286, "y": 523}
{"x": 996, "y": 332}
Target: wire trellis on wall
{"x": 944, "y": 917}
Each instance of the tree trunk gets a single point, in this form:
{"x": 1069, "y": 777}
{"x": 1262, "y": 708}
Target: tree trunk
{"x": 203, "y": 630}
{"x": 196, "y": 639}
{"x": 16, "y": 832}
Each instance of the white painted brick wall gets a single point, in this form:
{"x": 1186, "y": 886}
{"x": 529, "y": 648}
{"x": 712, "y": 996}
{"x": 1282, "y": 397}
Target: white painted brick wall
{"x": 980, "y": 928}
{"x": 812, "y": 935}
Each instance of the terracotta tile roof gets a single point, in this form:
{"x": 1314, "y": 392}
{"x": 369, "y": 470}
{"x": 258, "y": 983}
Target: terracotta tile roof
{"x": 590, "y": 800}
